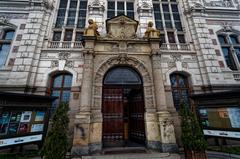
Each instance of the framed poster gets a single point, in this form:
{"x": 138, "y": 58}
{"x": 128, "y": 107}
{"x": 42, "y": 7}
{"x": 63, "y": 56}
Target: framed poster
{"x": 26, "y": 116}
{"x": 13, "y": 127}
{"x": 4, "y": 120}
{"x": 15, "y": 117}
{"x": 23, "y": 128}
{"x": 37, "y": 127}
{"x": 39, "y": 116}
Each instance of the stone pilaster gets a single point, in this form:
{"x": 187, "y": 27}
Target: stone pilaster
{"x": 27, "y": 59}
{"x": 209, "y": 67}
{"x": 145, "y": 15}
{"x": 166, "y": 128}
{"x": 83, "y": 118}
{"x": 96, "y": 12}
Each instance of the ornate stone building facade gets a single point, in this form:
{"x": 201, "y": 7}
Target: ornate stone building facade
{"x": 42, "y": 51}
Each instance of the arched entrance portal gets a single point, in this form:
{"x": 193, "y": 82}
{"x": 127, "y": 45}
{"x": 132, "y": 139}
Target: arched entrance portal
{"x": 123, "y": 108}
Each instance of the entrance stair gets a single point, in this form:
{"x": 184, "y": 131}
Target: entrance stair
{"x": 131, "y": 153}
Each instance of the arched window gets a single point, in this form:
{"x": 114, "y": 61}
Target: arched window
{"x": 222, "y": 39}
{"x": 234, "y": 39}
{"x": 180, "y": 89}
{"x": 61, "y": 86}
{"x": 8, "y": 35}
{"x": 5, "y": 45}
{"x": 122, "y": 75}
{"x": 230, "y": 49}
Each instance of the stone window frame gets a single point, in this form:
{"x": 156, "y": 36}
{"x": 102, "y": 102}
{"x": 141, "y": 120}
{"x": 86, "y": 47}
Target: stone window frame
{"x": 4, "y": 41}
{"x": 127, "y": 12}
{"x": 165, "y": 30}
{"x": 62, "y": 13}
{"x": 233, "y": 62}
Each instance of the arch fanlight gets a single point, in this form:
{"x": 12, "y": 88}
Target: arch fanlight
{"x": 122, "y": 75}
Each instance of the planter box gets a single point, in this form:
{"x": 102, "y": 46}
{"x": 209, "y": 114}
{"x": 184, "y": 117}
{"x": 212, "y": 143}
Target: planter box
{"x": 195, "y": 155}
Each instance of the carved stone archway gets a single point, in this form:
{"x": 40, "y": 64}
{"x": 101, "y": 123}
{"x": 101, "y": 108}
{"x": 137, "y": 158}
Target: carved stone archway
{"x": 119, "y": 60}
{"x": 149, "y": 103}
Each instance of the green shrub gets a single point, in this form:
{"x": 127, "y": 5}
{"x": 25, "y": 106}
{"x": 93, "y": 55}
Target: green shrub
{"x": 56, "y": 142}
{"x": 192, "y": 135}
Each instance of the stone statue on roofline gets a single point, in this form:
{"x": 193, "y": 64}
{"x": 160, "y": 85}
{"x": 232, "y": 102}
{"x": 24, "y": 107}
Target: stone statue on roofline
{"x": 91, "y": 30}
{"x": 151, "y": 32}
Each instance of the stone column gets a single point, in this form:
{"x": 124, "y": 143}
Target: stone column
{"x": 167, "y": 135}
{"x": 82, "y": 119}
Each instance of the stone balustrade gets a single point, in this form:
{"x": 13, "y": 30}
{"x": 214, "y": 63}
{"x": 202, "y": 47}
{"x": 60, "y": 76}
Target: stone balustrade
{"x": 236, "y": 76}
{"x": 179, "y": 47}
{"x": 65, "y": 44}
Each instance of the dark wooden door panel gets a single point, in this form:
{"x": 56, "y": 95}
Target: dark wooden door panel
{"x": 112, "y": 109}
{"x": 136, "y": 107}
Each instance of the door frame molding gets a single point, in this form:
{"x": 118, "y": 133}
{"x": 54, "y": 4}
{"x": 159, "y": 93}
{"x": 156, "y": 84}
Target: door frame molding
{"x": 149, "y": 101}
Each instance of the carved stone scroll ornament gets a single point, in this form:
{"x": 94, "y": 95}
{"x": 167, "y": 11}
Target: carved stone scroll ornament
{"x": 219, "y": 3}
{"x": 122, "y": 58}
{"x": 64, "y": 55}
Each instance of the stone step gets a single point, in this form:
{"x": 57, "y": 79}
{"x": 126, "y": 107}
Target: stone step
{"x": 124, "y": 150}
{"x": 135, "y": 156}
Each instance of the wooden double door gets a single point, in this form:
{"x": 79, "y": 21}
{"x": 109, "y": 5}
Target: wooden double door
{"x": 123, "y": 116}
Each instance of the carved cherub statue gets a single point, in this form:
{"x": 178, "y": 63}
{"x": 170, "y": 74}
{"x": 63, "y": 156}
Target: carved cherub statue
{"x": 151, "y": 32}
{"x": 91, "y": 30}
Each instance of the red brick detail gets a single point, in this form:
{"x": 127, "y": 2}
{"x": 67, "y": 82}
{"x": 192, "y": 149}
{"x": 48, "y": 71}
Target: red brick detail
{"x": 218, "y": 52}
{"x": 19, "y": 37}
{"x": 211, "y": 31}
{"x": 22, "y": 26}
{"x": 214, "y": 41}
{"x": 15, "y": 49}
{"x": 11, "y": 61}
{"x": 221, "y": 63}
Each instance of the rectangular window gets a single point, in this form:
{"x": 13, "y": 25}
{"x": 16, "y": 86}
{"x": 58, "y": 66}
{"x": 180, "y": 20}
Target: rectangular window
{"x": 60, "y": 18}
{"x": 68, "y": 35}
{"x": 228, "y": 58}
{"x": 237, "y": 52}
{"x": 57, "y": 36}
{"x": 171, "y": 38}
{"x": 79, "y": 36}
{"x": 130, "y": 10}
{"x": 181, "y": 39}
{"x": 122, "y": 7}
{"x": 71, "y": 17}
{"x": 162, "y": 38}
{"x": 166, "y": 14}
{"x": 82, "y": 14}
{"x": 158, "y": 16}
{"x": 63, "y": 4}
{"x": 223, "y": 118}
